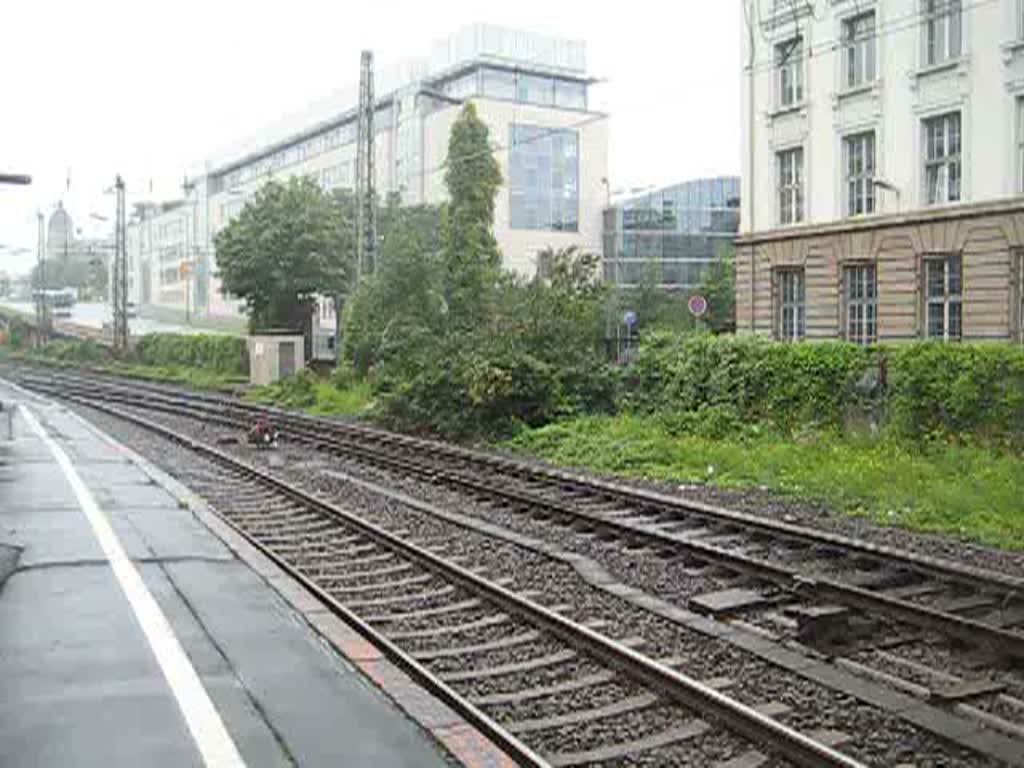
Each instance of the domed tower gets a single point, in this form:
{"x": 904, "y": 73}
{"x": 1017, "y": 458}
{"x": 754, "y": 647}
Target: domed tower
{"x": 60, "y": 234}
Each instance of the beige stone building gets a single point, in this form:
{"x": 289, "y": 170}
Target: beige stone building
{"x": 948, "y": 273}
{"x": 883, "y": 170}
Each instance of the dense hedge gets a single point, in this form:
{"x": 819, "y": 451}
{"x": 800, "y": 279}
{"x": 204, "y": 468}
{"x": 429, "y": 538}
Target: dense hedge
{"x": 914, "y": 390}
{"x": 484, "y": 385}
{"x": 220, "y": 354}
{"x": 961, "y": 389}
{"x": 77, "y": 351}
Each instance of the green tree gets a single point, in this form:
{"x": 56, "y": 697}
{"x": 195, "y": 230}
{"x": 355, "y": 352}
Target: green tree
{"x": 719, "y": 288}
{"x": 289, "y": 243}
{"x": 404, "y": 297}
{"x": 471, "y": 260}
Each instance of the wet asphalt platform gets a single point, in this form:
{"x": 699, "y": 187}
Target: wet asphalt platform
{"x": 132, "y": 635}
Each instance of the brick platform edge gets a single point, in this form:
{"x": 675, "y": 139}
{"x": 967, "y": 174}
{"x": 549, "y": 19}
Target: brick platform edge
{"x": 461, "y": 739}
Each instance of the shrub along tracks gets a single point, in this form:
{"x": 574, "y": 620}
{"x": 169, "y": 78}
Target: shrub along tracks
{"x": 768, "y": 578}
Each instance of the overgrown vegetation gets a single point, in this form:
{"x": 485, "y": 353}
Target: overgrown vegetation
{"x": 453, "y": 345}
{"x": 340, "y": 394}
{"x": 201, "y": 361}
{"x": 925, "y": 435}
{"x": 920, "y": 390}
{"x": 215, "y": 353}
{"x": 16, "y": 335}
{"x": 954, "y": 488}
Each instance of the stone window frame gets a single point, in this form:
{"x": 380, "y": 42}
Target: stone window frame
{"x": 945, "y": 18}
{"x": 871, "y": 194}
{"x": 781, "y": 305}
{"x": 793, "y": 64}
{"x": 845, "y": 21}
{"x": 798, "y": 191}
{"x": 845, "y": 267}
{"x": 1017, "y": 294}
{"x": 948, "y": 298}
{"x": 960, "y": 158}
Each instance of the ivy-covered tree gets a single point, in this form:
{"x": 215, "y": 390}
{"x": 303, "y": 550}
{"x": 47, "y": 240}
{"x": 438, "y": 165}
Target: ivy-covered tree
{"x": 405, "y": 295}
{"x": 290, "y": 242}
{"x": 719, "y": 288}
{"x": 471, "y": 260}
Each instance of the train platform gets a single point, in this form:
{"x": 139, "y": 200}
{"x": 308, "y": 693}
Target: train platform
{"x": 136, "y": 629}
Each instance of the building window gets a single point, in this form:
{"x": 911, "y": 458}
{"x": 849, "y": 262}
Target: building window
{"x": 570, "y": 95}
{"x": 1019, "y": 300}
{"x": 533, "y": 89}
{"x": 461, "y": 88}
{"x": 942, "y": 31}
{"x": 791, "y": 186}
{"x": 942, "y": 161}
{"x": 859, "y": 151}
{"x": 544, "y": 179}
{"x": 789, "y": 72}
{"x": 859, "y": 46}
{"x": 1020, "y": 140}
{"x": 791, "y": 314}
{"x": 861, "y": 293}
{"x": 499, "y": 84}
{"x": 943, "y": 287}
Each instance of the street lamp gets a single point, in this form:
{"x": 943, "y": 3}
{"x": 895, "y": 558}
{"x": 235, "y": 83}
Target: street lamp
{"x": 889, "y": 186}
{"x": 15, "y": 178}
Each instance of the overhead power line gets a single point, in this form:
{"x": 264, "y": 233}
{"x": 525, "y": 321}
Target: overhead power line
{"x": 889, "y": 27}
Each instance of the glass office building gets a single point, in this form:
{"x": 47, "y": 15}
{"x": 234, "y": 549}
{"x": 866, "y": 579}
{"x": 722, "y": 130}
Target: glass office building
{"x": 677, "y": 231}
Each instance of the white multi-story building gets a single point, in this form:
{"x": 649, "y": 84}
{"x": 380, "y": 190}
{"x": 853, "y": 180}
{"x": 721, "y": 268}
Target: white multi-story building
{"x": 161, "y": 258}
{"x": 883, "y": 160}
{"x": 530, "y": 90}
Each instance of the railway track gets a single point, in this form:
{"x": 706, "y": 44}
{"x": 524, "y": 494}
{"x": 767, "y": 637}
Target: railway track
{"x": 819, "y": 575}
{"x": 751, "y": 595}
{"x": 551, "y": 691}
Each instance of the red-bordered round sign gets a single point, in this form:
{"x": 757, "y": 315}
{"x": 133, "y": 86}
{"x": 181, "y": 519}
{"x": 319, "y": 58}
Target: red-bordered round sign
{"x": 698, "y": 306}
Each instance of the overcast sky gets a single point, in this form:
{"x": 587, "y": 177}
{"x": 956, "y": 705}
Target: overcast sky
{"x": 149, "y": 89}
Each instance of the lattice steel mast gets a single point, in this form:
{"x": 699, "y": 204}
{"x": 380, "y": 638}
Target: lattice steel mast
{"x": 42, "y": 310}
{"x": 366, "y": 208}
{"x": 120, "y": 276}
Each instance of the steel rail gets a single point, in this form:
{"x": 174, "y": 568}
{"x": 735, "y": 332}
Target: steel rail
{"x": 778, "y": 738}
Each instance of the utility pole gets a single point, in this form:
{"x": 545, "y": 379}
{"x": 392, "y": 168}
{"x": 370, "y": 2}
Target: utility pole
{"x": 191, "y": 249}
{"x": 751, "y": 19}
{"x": 120, "y": 287}
{"x": 42, "y": 320}
{"x": 366, "y": 209}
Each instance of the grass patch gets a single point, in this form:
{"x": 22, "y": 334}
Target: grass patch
{"x": 946, "y": 488}
{"x": 320, "y": 397}
{"x": 197, "y": 378}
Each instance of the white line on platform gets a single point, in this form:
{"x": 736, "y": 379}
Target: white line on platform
{"x": 212, "y": 738}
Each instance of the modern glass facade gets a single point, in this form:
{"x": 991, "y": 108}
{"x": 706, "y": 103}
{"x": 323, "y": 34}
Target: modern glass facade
{"x": 677, "y": 230}
{"x": 544, "y": 178}
{"x": 564, "y": 92}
